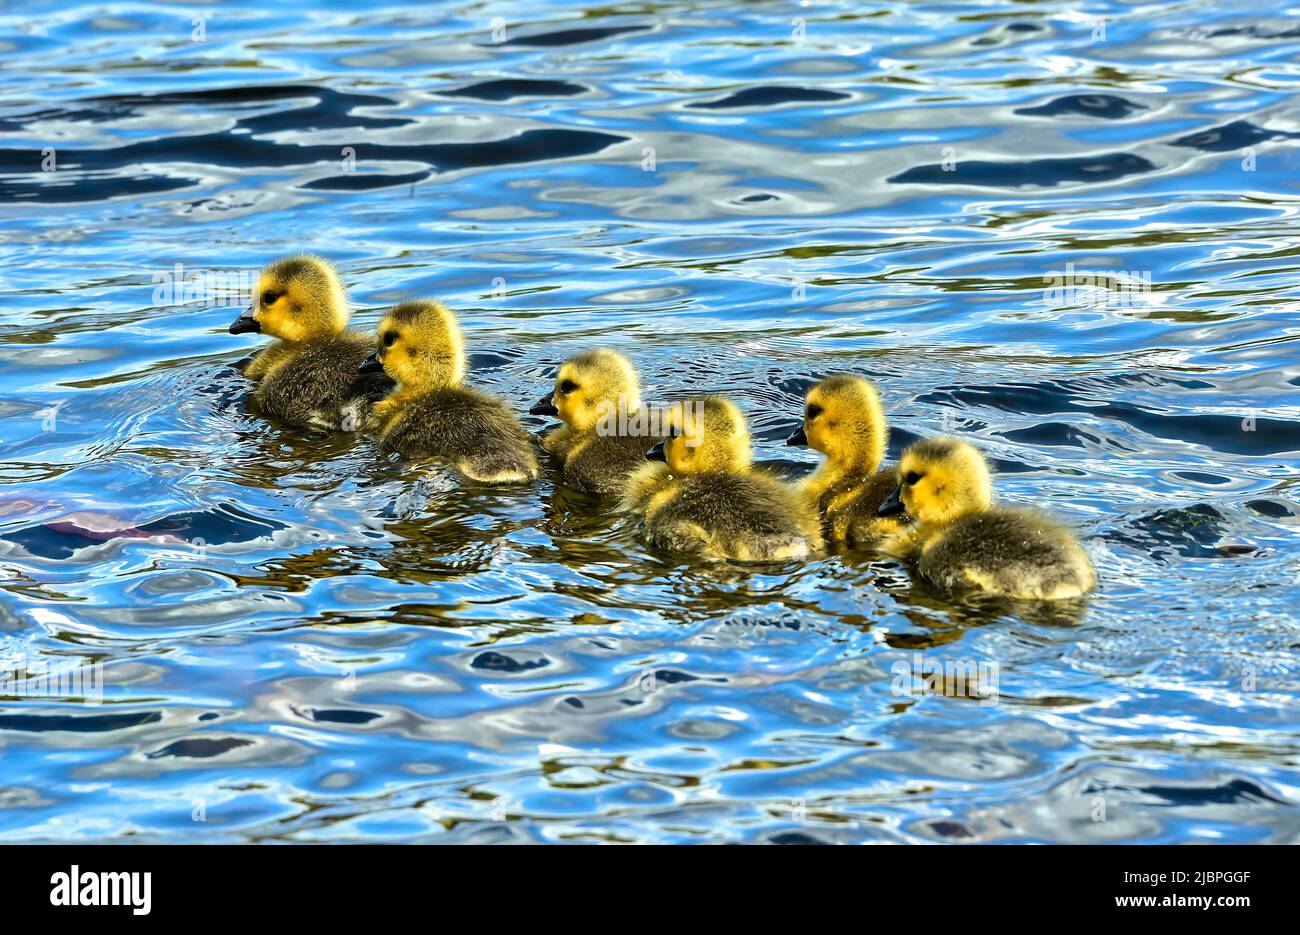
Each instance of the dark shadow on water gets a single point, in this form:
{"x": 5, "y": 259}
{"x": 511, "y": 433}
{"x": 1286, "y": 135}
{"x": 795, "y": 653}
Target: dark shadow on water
{"x": 1165, "y": 535}
{"x": 1032, "y": 172}
{"x": 94, "y": 174}
{"x": 1264, "y": 436}
{"x": 363, "y": 181}
{"x": 80, "y": 724}
{"x": 562, "y": 37}
{"x": 1236, "y": 135}
{"x": 1101, "y": 106}
{"x": 770, "y": 96}
{"x": 200, "y": 748}
{"x": 509, "y": 89}
{"x": 219, "y": 526}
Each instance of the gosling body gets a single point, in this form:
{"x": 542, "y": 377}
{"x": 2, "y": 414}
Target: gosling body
{"x": 726, "y": 516}
{"x": 598, "y": 465}
{"x": 316, "y": 384}
{"x": 850, "y": 508}
{"x": 1012, "y": 552}
{"x": 473, "y": 430}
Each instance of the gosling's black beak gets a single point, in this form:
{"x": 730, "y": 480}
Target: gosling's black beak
{"x": 371, "y": 364}
{"x": 656, "y": 452}
{"x": 800, "y": 437}
{"x": 893, "y": 504}
{"x": 544, "y": 407}
{"x": 245, "y": 322}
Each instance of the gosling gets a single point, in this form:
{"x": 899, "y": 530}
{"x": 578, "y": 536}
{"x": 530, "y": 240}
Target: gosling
{"x": 308, "y": 377}
{"x": 962, "y": 541}
{"x": 606, "y": 431}
{"x": 843, "y": 419}
{"x": 431, "y": 414}
{"x": 704, "y": 496}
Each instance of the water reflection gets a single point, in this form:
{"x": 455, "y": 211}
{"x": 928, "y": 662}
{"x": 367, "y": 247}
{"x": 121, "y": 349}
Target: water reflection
{"x": 319, "y": 644}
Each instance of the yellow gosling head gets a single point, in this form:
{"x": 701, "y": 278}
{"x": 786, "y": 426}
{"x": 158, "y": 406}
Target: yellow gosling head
{"x": 943, "y": 479}
{"x": 843, "y": 419}
{"x": 706, "y": 434}
{"x": 591, "y": 388}
{"x": 420, "y": 347}
{"x": 298, "y": 298}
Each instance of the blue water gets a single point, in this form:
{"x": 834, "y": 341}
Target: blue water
{"x": 301, "y": 642}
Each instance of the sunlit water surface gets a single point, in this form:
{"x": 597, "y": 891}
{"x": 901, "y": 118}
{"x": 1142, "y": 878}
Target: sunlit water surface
{"x": 302, "y": 642}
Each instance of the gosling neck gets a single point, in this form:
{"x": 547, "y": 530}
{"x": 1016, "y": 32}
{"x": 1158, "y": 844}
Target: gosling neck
{"x": 860, "y": 464}
{"x": 436, "y": 374}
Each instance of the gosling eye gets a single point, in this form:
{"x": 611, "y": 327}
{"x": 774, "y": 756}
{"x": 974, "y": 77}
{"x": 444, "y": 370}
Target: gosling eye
{"x": 389, "y": 338}
{"x": 911, "y": 477}
{"x": 812, "y": 412}
{"x": 568, "y": 386}
{"x": 269, "y": 297}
